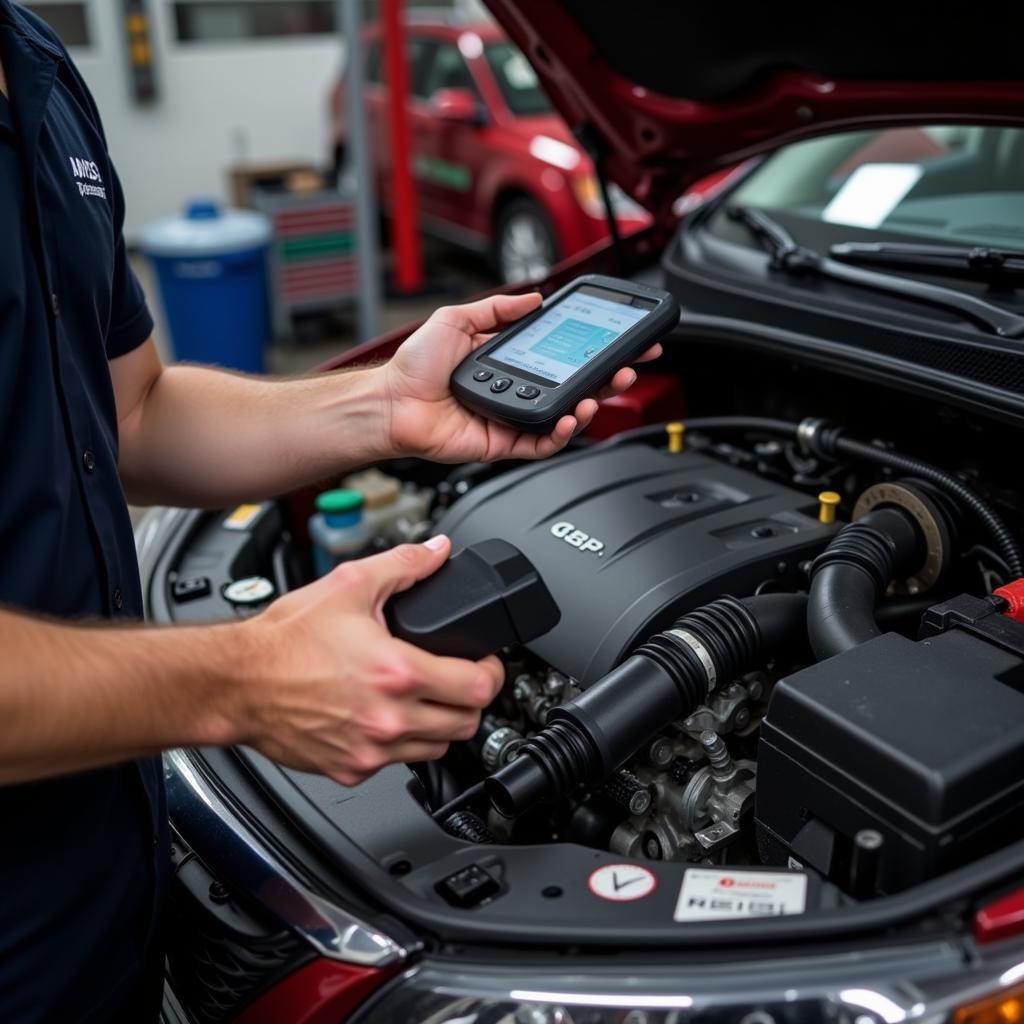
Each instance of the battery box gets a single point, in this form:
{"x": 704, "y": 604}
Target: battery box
{"x": 919, "y": 741}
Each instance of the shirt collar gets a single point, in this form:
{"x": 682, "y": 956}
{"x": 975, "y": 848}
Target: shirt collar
{"x": 31, "y": 63}
{"x": 14, "y": 18}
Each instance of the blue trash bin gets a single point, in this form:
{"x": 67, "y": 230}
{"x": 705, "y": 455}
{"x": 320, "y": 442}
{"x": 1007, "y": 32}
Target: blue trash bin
{"x": 211, "y": 270}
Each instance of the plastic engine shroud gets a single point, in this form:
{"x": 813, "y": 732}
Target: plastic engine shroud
{"x": 628, "y": 537}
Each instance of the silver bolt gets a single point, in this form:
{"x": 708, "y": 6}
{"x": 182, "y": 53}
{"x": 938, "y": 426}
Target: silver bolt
{"x": 660, "y": 752}
{"x": 717, "y": 753}
{"x": 554, "y": 684}
{"x": 522, "y": 690}
{"x": 868, "y": 839}
{"x": 640, "y": 802}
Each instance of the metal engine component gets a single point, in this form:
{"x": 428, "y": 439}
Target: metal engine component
{"x": 729, "y": 709}
{"x": 702, "y": 797}
{"x": 629, "y": 792}
{"x": 696, "y": 811}
{"x": 500, "y": 747}
{"x": 536, "y": 695}
{"x": 678, "y": 808}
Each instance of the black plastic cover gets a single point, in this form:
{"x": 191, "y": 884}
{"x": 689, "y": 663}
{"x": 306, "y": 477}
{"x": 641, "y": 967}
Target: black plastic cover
{"x": 484, "y": 598}
{"x": 628, "y": 537}
{"x": 921, "y": 741}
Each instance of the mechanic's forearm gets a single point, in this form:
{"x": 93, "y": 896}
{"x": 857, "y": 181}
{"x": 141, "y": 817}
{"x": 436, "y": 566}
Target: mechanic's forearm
{"x": 76, "y": 697}
{"x": 206, "y": 438}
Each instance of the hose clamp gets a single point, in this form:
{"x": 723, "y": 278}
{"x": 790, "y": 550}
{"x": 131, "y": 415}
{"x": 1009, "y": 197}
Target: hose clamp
{"x": 703, "y": 655}
{"x": 807, "y": 432}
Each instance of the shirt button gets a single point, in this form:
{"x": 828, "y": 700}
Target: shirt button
{"x": 118, "y": 600}
{"x": 88, "y": 460}
{"x": 55, "y": 304}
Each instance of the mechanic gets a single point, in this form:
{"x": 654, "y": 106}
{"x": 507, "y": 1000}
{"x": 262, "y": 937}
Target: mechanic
{"x": 88, "y": 698}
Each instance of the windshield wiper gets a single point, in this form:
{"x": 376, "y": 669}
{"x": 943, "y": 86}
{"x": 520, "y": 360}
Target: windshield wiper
{"x": 792, "y": 258}
{"x": 981, "y": 262}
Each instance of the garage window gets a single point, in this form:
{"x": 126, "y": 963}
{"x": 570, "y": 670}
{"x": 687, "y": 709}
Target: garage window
{"x": 69, "y": 20}
{"x": 211, "y": 21}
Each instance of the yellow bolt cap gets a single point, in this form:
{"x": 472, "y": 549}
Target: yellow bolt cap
{"x": 675, "y": 433}
{"x": 828, "y": 500}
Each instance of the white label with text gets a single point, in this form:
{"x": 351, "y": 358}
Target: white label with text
{"x": 719, "y": 894}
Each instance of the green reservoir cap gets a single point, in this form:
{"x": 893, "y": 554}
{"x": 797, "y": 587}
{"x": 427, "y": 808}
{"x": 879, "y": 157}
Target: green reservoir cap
{"x": 339, "y": 501}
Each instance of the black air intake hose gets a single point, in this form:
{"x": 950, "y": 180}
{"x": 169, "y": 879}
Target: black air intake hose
{"x": 665, "y": 679}
{"x": 852, "y": 573}
{"x": 830, "y": 442}
{"x": 1000, "y": 533}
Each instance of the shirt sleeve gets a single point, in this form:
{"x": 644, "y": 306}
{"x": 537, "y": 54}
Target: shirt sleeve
{"x": 130, "y": 320}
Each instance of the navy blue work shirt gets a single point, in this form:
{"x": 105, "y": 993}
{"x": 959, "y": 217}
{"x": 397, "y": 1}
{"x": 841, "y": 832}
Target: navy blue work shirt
{"x": 82, "y": 857}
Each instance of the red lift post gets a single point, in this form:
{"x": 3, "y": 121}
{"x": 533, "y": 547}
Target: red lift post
{"x": 405, "y": 223}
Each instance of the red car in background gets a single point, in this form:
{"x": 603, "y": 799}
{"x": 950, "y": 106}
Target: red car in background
{"x": 497, "y": 170}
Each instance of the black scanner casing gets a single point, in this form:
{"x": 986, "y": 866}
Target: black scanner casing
{"x": 486, "y": 597}
{"x": 540, "y": 415}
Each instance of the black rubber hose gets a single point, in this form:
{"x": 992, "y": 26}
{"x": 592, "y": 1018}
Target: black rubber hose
{"x": 665, "y": 679}
{"x": 850, "y": 576}
{"x": 753, "y": 424}
{"x": 830, "y": 442}
{"x": 1006, "y": 543}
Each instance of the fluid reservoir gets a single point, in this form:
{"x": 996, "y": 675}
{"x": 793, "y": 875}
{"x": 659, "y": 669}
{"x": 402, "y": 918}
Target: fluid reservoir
{"x": 338, "y": 529}
{"x": 387, "y": 504}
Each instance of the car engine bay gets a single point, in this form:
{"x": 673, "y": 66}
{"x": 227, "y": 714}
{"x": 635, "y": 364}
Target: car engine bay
{"x": 733, "y": 673}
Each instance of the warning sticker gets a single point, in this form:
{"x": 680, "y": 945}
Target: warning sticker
{"x": 715, "y": 895}
{"x": 242, "y": 517}
{"x": 622, "y": 883}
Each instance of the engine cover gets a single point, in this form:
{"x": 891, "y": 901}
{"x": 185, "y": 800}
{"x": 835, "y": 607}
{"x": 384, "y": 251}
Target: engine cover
{"x": 628, "y": 537}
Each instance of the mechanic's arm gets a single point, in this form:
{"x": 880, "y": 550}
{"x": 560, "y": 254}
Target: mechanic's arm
{"x": 315, "y": 682}
{"x": 201, "y": 437}
{"x": 197, "y": 436}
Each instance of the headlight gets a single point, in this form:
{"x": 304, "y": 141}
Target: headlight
{"x": 930, "y": 983}
{"x": 1006, "y": 1007}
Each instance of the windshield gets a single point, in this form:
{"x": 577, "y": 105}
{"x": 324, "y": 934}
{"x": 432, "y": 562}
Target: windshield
{"x": 958, "y": 185}
{"x": 516, "y": 79}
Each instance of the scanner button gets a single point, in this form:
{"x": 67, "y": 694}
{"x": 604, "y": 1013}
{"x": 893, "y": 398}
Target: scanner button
{"x": 502, "y": 384}
{"x": 527, "y": 391}
{"x": 482, "y": 375}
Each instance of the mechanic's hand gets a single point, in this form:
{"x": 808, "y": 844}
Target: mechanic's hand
{"x": 333, "y": 692}
{"x": 425, "y": 417}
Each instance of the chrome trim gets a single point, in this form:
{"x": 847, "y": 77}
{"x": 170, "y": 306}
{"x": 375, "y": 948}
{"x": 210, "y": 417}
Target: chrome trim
{"x": 232, "y": 852}
{"x": 154, "y": 534}
{"x": 154, "y": 525}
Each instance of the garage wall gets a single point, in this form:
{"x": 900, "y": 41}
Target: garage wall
{"x": 218, "y": 103}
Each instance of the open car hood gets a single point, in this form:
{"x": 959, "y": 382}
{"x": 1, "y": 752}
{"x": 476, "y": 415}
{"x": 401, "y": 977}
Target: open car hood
{"x": 668, "y": 92}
